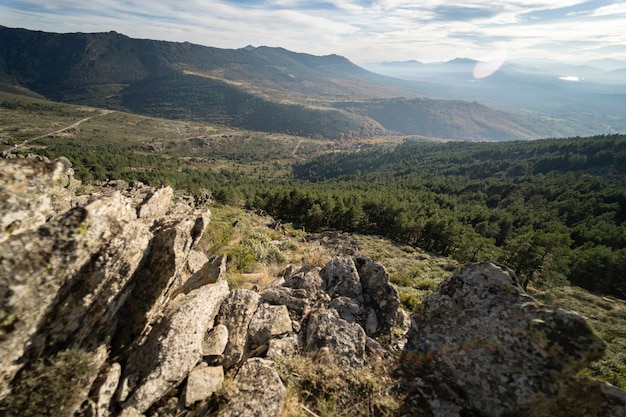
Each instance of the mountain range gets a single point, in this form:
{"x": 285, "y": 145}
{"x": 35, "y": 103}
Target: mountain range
{"x": 581, "y": 98}
{"x": 276, "y": 90}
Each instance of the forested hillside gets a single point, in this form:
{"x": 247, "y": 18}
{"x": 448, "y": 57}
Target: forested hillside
{"x": 553, "y": 210}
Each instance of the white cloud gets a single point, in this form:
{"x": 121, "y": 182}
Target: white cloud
{"x": 610, "y": 10}
{"x": 364, "y": 31}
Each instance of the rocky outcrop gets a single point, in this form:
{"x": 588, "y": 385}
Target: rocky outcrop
{"x": 117, "y": 275}
{"x": 487, "y": 348}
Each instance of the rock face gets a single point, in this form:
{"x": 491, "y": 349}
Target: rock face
{"x": 117, "y": 275}
{"x": 492, "y": 350}
{"x": 174, "y": 347}
{"x": 32, "y": 191}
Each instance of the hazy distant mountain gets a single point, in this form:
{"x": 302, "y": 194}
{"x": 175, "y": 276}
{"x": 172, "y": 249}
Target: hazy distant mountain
{"x": 578, "y": 99}
{"x": 261, "y": 88}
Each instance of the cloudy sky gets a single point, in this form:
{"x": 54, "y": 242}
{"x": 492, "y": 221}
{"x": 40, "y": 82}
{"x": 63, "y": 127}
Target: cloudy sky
{"x": 362, "y": 30}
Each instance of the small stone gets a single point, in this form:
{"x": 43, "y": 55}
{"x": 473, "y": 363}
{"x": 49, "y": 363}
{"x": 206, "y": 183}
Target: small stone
{"x": 202, "y": 382}
{"x": 215, "y": 341}
{"x": 267, "y": 322}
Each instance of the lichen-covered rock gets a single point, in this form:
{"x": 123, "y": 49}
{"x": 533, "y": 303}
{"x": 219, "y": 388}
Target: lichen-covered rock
{"x": 156, "y": 204}
{"x": 268, "y": 321}
{"x": 35, "y": 265}
{"x": 309, "y": 281}
{"x": 202, "y": 382}
{"x": 236, "y": 313}
{"x": 107, "y": 389}
{"x": 500, "y": 352}
{"x": 161, "y": 278}
{"x": 215, "y": 341}
{"x": 174, "y": 347}
{"x": 325, "y": 329}
{"x": 259, "y": 391}
{"x": 295, "y": 300}
{"x": 347, "y": 308}
{"x": 281, "y": 347}
{"x": 342, "y": 279}
{"x": 31, "y": 191}
{"x": 378, "y": 296}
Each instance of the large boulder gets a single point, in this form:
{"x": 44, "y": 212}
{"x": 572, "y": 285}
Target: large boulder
{"x": 259, "y": 391}
{"x": 202, "y": 382}
{"x": 379, "y": 296}
{"x": 268, "y": 321}
{"x": 36, "y": 265}
{"x": 236, "y": 313}
{"x": 325, "y": 329}
{"x": 491, "y": 349}
{"x": 341, "y": 279}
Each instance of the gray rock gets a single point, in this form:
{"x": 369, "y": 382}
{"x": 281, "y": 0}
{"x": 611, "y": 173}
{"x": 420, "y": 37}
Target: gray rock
{"x": 268, "y": 321}
{"x": 202, "y": 382}
{"x": 162, "y": 276}
{"x": 258, "y": 391}
{"x": 35, "y": 265}
{"x": 236, "y": 313}
{"x": 107, "y": 390}
{"x": 348, "y": 309}
{"x": 281, "y": 347}
{"x": 156, "y": 204}
{"x": 310, "y": 281}
{"x": 295, "y": 299}
{"x": 174, "y": 347}
{"x": 403, "y": 321}
{"x": 342, "y": 279}
{"x": 215, "y": 341}
{"x": 31, "y": 191}
{"x": 195, "y": 261}
{"x": 378, "y": 295}
{"x": 481, "y": 337}
{"x": 130, "y": 412}
{"x": 325, "y": 329}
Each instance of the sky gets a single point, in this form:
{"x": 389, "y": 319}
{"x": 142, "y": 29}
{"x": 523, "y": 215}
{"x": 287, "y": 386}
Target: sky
{"x": 364, "y": 31}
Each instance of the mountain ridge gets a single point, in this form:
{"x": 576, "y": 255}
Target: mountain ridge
{"x": 260, "y": 88}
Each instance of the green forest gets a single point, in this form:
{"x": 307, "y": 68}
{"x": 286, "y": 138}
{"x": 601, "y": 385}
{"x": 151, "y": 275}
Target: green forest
{"x": 553, "y": 210}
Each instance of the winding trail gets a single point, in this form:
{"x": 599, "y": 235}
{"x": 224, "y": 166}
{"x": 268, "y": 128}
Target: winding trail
{"x": 296, "y": 148}
{"x": 75, "y": 124}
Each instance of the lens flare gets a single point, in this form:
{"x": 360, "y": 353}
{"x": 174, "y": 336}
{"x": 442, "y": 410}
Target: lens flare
{"x": 488, "y": 66}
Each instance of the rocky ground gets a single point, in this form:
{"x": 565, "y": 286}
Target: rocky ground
{"x": 107, "y": 308}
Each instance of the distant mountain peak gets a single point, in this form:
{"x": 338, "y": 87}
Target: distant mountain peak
{"x": 461, "y": 61}
{"x": 249, "y": 48}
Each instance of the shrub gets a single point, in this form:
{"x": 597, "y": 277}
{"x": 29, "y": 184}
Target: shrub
{"x": 401, "y": 278}
{"x": 51, "y": 387}
{"x": 409, "y": 301}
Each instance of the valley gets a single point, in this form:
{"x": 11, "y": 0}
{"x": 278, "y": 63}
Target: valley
{"x": 297, "y": 161}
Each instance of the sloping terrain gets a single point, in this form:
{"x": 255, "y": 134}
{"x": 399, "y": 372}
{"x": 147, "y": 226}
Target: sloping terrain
{"x": 458, "y": 120}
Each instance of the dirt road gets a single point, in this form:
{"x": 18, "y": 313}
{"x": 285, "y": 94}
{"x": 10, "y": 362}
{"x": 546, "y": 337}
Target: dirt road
{"x": 102, "y": 113}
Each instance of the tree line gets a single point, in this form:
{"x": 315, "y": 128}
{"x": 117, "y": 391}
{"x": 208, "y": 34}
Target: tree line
{"x": 553, "y": 210}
